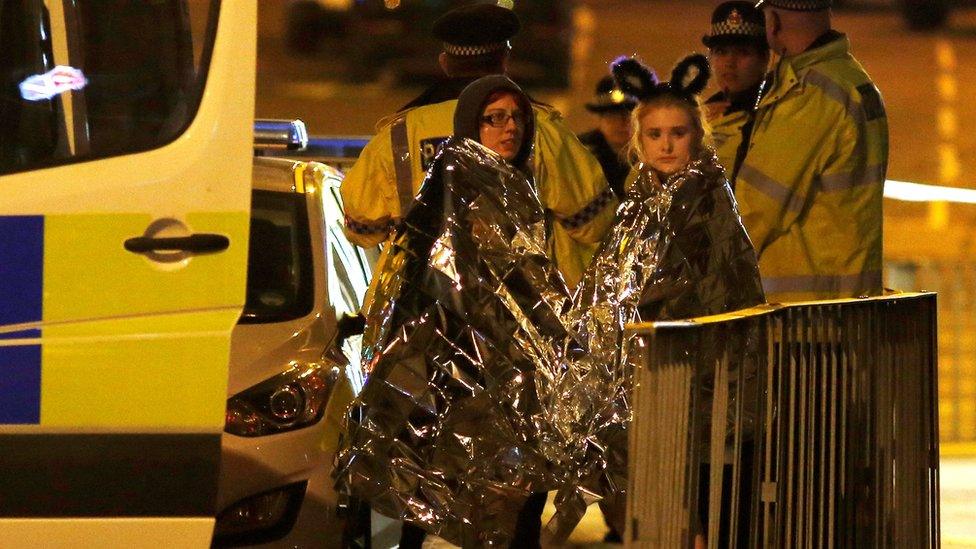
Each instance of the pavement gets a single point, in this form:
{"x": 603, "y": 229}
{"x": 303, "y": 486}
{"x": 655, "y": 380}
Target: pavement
{"x": 957, "y": 481}
{"x": 957, "y": 509}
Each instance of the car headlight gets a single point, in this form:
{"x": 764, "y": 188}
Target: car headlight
{"x": 291, "y": 400}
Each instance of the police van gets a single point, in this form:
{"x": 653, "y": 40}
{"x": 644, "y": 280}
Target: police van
{"x": 125, "y": 191}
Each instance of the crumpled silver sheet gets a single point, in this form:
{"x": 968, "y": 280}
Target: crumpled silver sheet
{"x": 678, "y": 250}
{"x": 485, "y": 382}
{"x": 448, "y": 432}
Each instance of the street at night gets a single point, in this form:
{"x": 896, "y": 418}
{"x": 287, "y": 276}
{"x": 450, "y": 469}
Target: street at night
{"x": 418, "y": 273}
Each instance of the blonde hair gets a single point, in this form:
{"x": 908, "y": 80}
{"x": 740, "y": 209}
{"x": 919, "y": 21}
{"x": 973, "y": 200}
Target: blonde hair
{"x": 635, "y": 154}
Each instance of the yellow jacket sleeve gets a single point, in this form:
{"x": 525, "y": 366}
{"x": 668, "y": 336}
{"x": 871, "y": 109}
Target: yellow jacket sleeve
{"x": 571, "y": 182}
{"x": 849, "y": 194}
{"x": 369, "y": 193}
{"x": 574, "y": 190}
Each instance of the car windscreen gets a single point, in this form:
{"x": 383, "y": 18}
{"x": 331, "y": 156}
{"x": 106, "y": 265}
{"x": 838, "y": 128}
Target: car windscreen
{"x": 87, "y": 80}
{"x": 280, "y": 280}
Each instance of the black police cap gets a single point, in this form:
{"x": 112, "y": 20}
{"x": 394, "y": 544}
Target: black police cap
{"x": 476, "y": 29}
{"x": 609, "y": 97}
{"x": 736, "y": 21}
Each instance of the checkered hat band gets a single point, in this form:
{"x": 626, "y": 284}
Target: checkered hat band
{"x": 383, "y": 226}
{"x": 588, "y": 212}
{"x": 480, "y": 49}
{"x": 742, "y": 29}
{"x": 800, "y": 5}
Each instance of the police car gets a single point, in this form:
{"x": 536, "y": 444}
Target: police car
{"x": 290, "y": 382}
{"x": 125, "y": 169}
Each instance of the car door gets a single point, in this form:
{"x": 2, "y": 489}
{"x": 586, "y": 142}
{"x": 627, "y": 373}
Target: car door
{"x": 125, "y": 161}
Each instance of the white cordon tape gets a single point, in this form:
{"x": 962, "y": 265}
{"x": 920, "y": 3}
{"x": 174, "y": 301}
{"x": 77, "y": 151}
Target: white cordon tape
{"x": 917, "y": 192}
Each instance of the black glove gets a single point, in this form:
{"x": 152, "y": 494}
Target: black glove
{"x": 348, "y": 326}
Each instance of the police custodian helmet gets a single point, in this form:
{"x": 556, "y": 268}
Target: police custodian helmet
{"x": 736, "y": 22}
{"x": 476, "y": 29}
{"x": 796, "y": 5}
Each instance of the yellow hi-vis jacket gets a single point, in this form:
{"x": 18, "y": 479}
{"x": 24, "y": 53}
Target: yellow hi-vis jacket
{"x": 810, "y": 188}
{"x": 727, "y": 130}
{"x": 392, "y": 166}
{"x": 727, "y": 136}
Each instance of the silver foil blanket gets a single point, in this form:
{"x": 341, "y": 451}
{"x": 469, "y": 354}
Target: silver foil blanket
{"x": 446, "y": 432}
{"x": 678, "y": 250}
{"x": 485, "y": 382}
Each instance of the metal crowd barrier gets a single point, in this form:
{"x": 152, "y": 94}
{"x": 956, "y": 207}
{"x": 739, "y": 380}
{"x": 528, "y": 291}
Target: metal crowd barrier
{"x": 804, "y": 425}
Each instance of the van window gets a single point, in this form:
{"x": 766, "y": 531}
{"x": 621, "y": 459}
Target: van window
{"x": 85, "y": 80}
{"x": 280, "y": 280}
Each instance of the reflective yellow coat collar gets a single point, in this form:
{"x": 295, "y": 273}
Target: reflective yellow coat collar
{"x": 788, "y": 70}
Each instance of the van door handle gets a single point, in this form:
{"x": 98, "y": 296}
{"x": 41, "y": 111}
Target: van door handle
{"x": 195, "y": 243}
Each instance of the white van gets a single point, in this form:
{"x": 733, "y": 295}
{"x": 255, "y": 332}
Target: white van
{"x": 125, "y": 189}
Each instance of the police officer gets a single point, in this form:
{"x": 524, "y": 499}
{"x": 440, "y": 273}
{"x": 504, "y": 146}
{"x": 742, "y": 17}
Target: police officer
{"x": 614, "y": 130}
{"x": 810, "y": 187}
{"x": 739, "y": 55}
{"x": 380, "y": 186}
{"x": 608, "y": 142}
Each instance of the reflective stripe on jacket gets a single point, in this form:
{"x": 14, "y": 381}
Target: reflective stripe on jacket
{"x": 810, "y": 189}
{"x": 570, "y": 181}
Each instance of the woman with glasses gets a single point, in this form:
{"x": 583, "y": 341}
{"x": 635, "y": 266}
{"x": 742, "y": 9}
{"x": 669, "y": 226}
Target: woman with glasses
{"x": 466, "y": 311}
{"x": 494, "y": 112}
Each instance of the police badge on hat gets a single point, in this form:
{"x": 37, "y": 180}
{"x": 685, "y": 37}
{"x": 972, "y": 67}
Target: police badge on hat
{"x": 609, "y": 97}
{"x": 736, "y": 21}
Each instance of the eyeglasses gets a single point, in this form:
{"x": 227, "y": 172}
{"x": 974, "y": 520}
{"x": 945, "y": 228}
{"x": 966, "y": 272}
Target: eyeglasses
{"x": 499, "y": 119}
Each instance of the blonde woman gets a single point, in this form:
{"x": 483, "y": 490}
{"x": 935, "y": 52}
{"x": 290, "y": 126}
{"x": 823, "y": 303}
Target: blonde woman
{"x": 678, "y": 250}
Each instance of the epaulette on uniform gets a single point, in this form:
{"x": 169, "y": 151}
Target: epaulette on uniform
{"x": 389, "y": 119}
{"x": 551, "y": 113}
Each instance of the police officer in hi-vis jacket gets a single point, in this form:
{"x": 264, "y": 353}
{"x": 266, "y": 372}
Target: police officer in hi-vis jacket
{"x": 739, "y": 55}
{"x": 810, "y": 187}
{"x": 381, "y": 184}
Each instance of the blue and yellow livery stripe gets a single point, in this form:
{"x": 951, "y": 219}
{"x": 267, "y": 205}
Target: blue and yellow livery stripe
{"x": 21, "y": 299}
{"x": 113, "y": 368}
{"x": 93, "y": 337}
{"x": 21, "y": 268}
